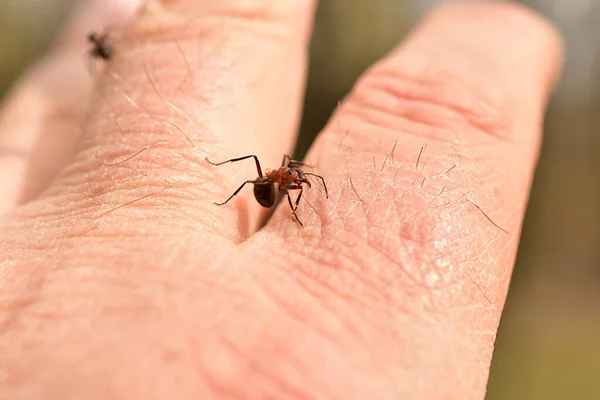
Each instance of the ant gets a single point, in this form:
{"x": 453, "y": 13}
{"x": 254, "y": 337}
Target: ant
{"x": 102, "y": 47}
{"x": 289, "y": 176}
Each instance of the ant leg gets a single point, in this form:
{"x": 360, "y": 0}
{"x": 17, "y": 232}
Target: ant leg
{"x": 294, "y": 215}
{"x": 234, "y": 193}
{"x": 258, "y": 169}
{"x": 293, "y": 163}
{"x": 285, "y": 190}
{"x": 298, "y": 164}
{"x": 322, "y": 180}
{"x": 298, "y": 198}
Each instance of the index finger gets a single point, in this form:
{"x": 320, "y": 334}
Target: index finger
{"x": 429, "y": 164}
{"x": 190, "y": 80}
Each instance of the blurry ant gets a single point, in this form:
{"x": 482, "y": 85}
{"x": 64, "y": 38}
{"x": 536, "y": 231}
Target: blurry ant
{"x": 102, "y": 49}
{"x": 289, "y": 176}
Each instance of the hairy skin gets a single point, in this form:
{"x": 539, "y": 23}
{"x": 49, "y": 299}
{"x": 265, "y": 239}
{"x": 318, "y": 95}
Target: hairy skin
{"x": 122, "y": 279}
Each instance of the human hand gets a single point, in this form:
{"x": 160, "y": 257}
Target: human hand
{"x": 123, "y": 280}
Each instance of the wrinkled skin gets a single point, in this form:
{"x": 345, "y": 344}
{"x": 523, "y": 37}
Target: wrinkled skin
{"x": 120, "y": 279}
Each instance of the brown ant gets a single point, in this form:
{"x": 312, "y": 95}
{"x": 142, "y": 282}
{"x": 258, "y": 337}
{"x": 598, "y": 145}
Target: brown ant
{"x": 102, "y": 49}
{"x": 289, "y": 176}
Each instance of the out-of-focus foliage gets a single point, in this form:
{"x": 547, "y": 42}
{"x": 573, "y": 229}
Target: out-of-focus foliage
{"x": 26, "y": 29}
{"x": 548, "y": 345}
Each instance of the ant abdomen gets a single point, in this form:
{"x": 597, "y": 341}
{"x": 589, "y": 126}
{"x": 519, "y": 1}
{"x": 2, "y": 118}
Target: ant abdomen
{"x": 265, "y": 194}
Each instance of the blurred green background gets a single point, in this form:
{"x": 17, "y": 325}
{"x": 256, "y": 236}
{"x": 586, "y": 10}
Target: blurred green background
{"x": 548, "y": 346}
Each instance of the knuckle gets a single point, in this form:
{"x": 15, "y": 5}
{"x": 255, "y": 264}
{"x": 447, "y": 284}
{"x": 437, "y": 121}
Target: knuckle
{"x": 268, "y": 10}
{"x": 437, "y": 103}
{"x": 264, "y": 18}
{"x": 265, "y": 10}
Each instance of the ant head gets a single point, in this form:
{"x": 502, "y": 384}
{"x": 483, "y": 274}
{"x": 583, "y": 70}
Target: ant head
{"x": 298, "y": 176}
{"x": 92, "y": 36}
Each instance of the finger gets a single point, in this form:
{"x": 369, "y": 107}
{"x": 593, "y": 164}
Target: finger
{"x": 193, "y": 79}
{"x": 40, "y": 120}
{"x": 428, "y": 164}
